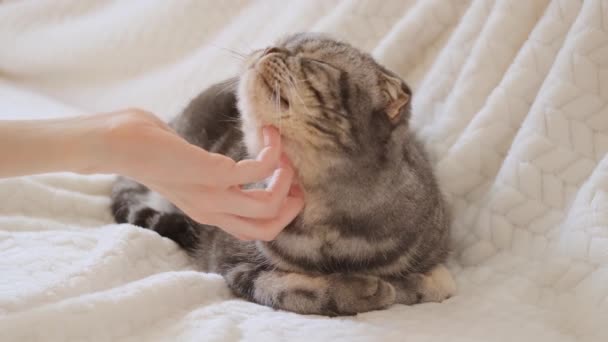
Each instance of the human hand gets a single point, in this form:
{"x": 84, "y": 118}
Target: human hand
{"x": 205, "y": 186}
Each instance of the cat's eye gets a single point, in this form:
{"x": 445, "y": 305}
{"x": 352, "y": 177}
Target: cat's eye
{"x": 320, "y": 62}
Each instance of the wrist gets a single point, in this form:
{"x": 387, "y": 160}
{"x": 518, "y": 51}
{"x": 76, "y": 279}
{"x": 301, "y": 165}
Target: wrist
{"x": 114, "y": 142}
{"x": 94, "y": 144}
{"x": 84, "y": 139}
{"x": 76, "y": 144}
{"x": 73, "y": 144}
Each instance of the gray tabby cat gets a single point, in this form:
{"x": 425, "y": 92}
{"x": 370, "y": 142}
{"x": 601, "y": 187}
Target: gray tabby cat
{"x": 374, "y": 231}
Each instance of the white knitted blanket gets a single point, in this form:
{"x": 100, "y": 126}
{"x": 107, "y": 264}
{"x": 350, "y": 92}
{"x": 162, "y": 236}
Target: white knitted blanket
{"x": 511, "y": 97}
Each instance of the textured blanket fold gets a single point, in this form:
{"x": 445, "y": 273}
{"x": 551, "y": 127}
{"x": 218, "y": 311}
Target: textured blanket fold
{"x": 511, "y": 98}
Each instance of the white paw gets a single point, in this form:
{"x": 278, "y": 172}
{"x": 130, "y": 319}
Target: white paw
{"x": 438, "y": 285}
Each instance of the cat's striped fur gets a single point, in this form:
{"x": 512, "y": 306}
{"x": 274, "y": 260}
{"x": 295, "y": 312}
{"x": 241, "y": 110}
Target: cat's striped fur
{"x": 374, "y": 231}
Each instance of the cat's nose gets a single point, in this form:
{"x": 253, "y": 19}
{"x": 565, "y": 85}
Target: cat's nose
{"x": 275, "y": 50}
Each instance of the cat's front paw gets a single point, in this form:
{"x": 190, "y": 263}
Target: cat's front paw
{"x": 437, "y": 285}
{"x": 354, "y": 294}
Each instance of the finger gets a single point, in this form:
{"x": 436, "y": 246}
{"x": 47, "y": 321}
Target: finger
{"x": 250, "y": 171}
{"x": 272, "y": 137}
{"x": 295, "y": 191}
{"x": 258, "y": 203}
{"x": 223, "y": 172}
{"x": 228, "y": 173}
{"x": 265, "y": 230}
{"x": 225, "y": 223}
{"x": 279, "y": 183}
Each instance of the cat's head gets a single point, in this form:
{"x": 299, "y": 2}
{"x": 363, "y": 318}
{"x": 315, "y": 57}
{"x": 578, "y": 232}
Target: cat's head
{"x": 331, "y": 102}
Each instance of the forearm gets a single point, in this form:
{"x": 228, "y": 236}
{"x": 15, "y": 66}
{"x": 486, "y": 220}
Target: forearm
{"x": 39, "y": 146}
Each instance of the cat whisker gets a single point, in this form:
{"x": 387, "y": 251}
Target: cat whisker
{"x": 234, "y": 53}
{"x": 300, "y": 80}
{"x": 290, "y": 80}
{"x": 272, "y": 96}
{"x": 292, "y": 86}
{"x": 249, "y": 47}
{"x": 228, "y": 119}
{"x": 279, "y": 107}
{"x": 237, "y": 58}
{"x": 229, "y": 85}
{"x": 278, "y": 104}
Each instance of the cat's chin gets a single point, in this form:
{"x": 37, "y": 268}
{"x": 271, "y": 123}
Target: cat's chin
{"x": 254, "y": 140}
{"x": 256, "y": 113}
{"x": 251, "y": 126}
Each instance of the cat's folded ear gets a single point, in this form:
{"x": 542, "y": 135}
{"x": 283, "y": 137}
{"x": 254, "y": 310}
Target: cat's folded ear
{"x": 398, "y": 96}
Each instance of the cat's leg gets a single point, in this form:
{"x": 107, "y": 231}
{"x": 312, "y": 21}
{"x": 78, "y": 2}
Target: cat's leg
{"x": 433, "y": 286}
{"x": 134, "y": 203}
{"x": 330, "y": 295}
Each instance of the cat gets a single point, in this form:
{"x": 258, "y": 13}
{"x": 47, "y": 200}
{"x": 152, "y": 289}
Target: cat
{"x": 375, "y": 227}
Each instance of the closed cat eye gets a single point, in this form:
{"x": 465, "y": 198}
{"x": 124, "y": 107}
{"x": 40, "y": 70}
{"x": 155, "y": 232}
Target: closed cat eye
{"x": 319, "y": 61}
{"x": 324, "y": 63}
{"x": 276, "y": 50}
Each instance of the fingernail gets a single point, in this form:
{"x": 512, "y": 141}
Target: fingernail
{"x": 266, "y": 134}
{"x": 295, "y": 191}
{"x": 284, "y": 162}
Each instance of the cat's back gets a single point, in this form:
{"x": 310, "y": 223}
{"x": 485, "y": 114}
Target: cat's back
{"x": 212, "y": 121}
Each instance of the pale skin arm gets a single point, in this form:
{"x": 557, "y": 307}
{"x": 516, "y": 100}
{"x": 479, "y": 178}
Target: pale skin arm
{"x": 136, "y": 144}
